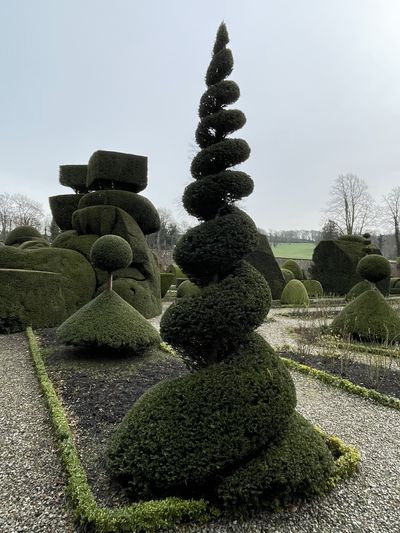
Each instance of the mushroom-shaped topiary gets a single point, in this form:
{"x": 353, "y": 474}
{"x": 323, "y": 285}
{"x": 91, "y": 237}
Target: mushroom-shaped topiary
{"x": 108, "y": 320}
{"x": 373, "y": 268}
{"x": 295, "y": 293}
{"x": 190, "y": 435}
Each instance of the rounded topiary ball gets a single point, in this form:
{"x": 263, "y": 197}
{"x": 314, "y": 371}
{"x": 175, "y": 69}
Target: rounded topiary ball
{"x": 373, "y": 268}
{"x": 110, "y": 253}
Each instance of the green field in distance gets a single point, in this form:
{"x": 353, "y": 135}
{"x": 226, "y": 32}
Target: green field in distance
{"x": 294, "y": 250}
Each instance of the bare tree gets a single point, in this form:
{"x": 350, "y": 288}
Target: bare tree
{"x": 19, "y": 210}
{"x": 350, "y": 205}
{"x": 391, "y": 214}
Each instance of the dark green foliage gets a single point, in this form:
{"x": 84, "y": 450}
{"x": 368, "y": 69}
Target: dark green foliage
{"x": 174, "y": 269}
{"x": 204, "y": 198}
{"x": 358, "y": 289}
{"x": 291, "y": 264}
{"x": 187, "y": 288}
{"x": 287, "y": 274}
{"x": 62, "y": 207}
{"x": 298, "y": 464}
{"x": 109, "y": 321}
{"x": 166, "y": 279}
{"x": 313, "y": 287}
{"x": 74, "y": 176}
{"x": 203, "y": 424}
{"x": 34, "y": 243}
{"x": 220, "y": 156}
{"x": 217, "y": 96}
{"x": 295, "y": 293}
{"x": 264, "y": 261}
{"x": 111, "y": 252}
{"x": 22, "y": 234}
{"x": 211, "y": 248}
{"x": 29, "y": 297}
{"x": 178, "y": 281}
{"x": 374, "y": 268}
{"x": 140, "y": 208}
{"x": 77, "y": 280}
{"x": 352, "y": 238}
{"x": 72, "y": 241}
{"x": 208, "y": 327}
{"x": 116, "y": 170}
{"x": 220, "y": 67}
{"x": 369, "y": 318}
{"x": 214, "y": 128}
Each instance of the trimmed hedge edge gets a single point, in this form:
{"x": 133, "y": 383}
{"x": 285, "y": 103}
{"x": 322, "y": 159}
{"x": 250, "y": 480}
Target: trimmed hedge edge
{"x": 140, "y": 517}
{"x": 341, "y": 383}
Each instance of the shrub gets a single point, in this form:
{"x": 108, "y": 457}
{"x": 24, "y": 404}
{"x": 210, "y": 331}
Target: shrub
{"x": 295, "y": 293}
{"x": 287, "y": 274}
{"x": 374, "y": 268}
{"x": 291, "y": 265}
{"x": 313, "y": 287}
{"x": 394, "y": 282}
{"x": 174, "y": 269}
{"x": 62, "y": 207}
{"x": 22, "y": 234}
{"x": 166, "y": 279}
{"x": 74, "y": 176}
{"x": 70, "y": 240}
{"x": 110, "y": 253}
{"x": 264, "y": 261}
{"x": 358, "y": 289}
{"x": 187, "y": 288}
{"x": 34, "y": 243}
{"x": 369, "y": 318}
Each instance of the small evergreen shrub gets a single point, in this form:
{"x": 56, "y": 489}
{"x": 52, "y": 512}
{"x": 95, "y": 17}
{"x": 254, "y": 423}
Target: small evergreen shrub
{"x": 313, "y": 287}
{"x": 294, "y": 267}
{"x": 287, "y": 274}
{"x": 358, "y": 289}
{"x": 187, "y": 288}
{"x": 295, "y": 293}
{"x": 116, "y": 170}
{"x": 22, "y": 234}
{"x": 374, "y": 268}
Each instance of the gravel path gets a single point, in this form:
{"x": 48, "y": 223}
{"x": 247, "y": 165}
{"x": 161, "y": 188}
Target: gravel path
{"x": 32, "y": 495}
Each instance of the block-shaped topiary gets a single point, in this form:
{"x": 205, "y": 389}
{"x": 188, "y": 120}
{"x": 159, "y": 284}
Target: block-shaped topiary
{"x": 74, "y": 176}
{"x": 188, "y": 435}
{"x": 313, "y": 287}
{"x": 294, "y": 267}
{"x": 62, "y": 207}
{"x": 295, "y": 293}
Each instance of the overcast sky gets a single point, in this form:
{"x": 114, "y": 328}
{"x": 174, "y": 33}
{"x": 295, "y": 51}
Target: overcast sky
{"x": 319, "y": 80}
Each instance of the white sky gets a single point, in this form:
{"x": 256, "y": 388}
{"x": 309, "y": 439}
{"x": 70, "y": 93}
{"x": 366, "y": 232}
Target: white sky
{"x": 320, "y": 85}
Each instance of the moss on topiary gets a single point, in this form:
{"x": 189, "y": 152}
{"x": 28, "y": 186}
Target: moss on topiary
{"x": 108, "y": 321}
{"x": 374, "y": 268}
{"x": 295, "y": 293}
{"x": 358, "y": 289}
{"x": 294, "y": 267}
{"x": 29, "y": 297}
{"x": 313, "y": 287}
{"x": 166, "y": 279}
{"x": 62, "y": 206}
{"x": 138, "y": 207}
{"x": 116, "y": 170}
{"x": 187, "y": 288}
{"x": 264, "y": 261}
{"x": 287, "y": 274}
{"x": 22, "y": 234}
{"x": 369, "y": 318}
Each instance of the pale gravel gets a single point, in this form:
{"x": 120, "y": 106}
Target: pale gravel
{"x": 32, "y": 494}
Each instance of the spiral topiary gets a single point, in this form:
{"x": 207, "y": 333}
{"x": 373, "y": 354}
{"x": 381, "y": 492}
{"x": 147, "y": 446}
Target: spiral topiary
{"x": 186, "y": 436}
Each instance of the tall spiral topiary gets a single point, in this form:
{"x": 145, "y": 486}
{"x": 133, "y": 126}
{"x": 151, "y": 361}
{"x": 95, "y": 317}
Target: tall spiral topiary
{"x": 201, "y": 434}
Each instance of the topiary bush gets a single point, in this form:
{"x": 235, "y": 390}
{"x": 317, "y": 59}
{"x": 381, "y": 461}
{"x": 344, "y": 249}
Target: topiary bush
{"x": 166, "y": 279}
{"x": 313, "y": 287}
{"x": 294, "y": 267}
{"x": 374, "y": 268}
{"x": 358, "y": 289}
{"x": 190, "y": 435}
{"x": 295, "y": 293}
{"x": 287, "y": 274}
{"x": 22, "y": 234}
{"x": 108, "y": 320}
{"x": 187, "y": 288}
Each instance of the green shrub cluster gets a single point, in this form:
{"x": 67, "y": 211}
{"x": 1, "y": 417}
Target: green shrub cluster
{"x": 295, "y": 293}
{"x": 294, "y": 267}
{"x": 192, "y": 435}
{"x": 313, "y": 287}
{"x": 264, "y": 261}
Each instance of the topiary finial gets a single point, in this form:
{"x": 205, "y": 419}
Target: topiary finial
{"x": 111, "y": 253}
{"x": 373, "y": 268}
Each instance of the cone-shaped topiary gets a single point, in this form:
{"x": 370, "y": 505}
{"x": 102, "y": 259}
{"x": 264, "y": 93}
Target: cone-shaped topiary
{"x": 188, "y": 435}
{"x": 313, "y": 287}
{"x": 108, "y": 320}
{"x": 295, "y": 293}
{"x": 369, "y": 318}
{"x": 358, "y": 289}
{"x": 294, "y": 267}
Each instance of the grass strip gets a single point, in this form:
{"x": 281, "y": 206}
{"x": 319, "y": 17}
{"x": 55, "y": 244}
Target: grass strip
{"x": 341, "y": 383}
{"x": 141, "y": 517}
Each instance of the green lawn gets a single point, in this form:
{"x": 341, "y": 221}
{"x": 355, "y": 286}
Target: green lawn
{"x": 295, "y": 250}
